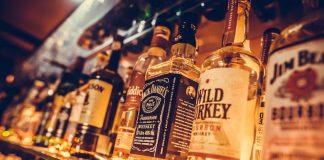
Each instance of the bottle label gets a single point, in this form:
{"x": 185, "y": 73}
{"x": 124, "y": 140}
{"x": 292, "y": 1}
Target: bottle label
{"x": 77, "y": 107}
{"x": 124, "y": 139}
{"x": 165, "y": 118}
{"x": 223, "y": 123}
{"x": 135, "y": 90}
{"x": 62, "y": 121}
{"x": 259, "y": 135}
{"x": 295, "y": 104}
{"x": 96, "y": 103}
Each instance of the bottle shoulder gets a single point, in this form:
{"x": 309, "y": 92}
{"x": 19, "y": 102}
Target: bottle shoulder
{"x": 176, "y": 65}
{"x": 309, "y": 27}
{"x": 233, "y": 57}
{"x": 108, "y": 76}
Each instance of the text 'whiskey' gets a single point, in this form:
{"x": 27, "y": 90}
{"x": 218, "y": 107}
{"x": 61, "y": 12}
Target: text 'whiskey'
{"x": 227, "y": 96}
{"x": 165, "y": 117}
{"x": 155, "y": 55}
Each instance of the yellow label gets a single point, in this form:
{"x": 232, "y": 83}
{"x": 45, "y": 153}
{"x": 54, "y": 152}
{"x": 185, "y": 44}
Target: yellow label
{"x": 96, "y": 103}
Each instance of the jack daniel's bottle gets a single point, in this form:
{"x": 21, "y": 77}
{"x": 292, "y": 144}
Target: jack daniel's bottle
{"x": 268, "y": 38}
{"x": 155, "y": 55}
{"x": 71, "y": 79}
{"x": 227, "y": 96}
{"x": 295, "y": 89}
{"x": 104, "y": 91}
{"x": 165, "y": 117}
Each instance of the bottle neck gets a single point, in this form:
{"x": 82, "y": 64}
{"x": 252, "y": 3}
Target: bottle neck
{"x": 183, "y": 50}
{"x": 113, "y": 62}
{"x": 236, "y": 24}
{"x": 267, "y": 40}
{"x": 160, "y": 39}
{"x": 185, "y": 42}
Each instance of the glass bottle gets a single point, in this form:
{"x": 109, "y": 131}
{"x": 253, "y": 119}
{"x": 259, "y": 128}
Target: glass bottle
{"x": 227, "y": 96}
{"x": 294, "y": 89}
{"x": 165, "y": 117}
{"x": 268, "y": 38}
{"x": 104, "y": 91}
{"x": 155, "y": 55}
{"x": 71, "y": 79}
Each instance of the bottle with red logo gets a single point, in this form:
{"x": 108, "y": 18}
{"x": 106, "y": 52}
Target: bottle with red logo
{"x": 295, "y": 89}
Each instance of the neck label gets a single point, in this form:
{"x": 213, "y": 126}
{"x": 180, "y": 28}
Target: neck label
{"x": 231, "y": 19}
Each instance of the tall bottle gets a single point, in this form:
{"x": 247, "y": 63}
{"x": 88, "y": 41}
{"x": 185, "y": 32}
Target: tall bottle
{"x": 294, "y": 89}
{"x": 268, "y": 38}
{"x": 71, "y": 79}
{"x": 155, "y": 55}
{"x": 104, "y": 90}
{"x": 227, "y": 96}
{"x": 165, "y": 117}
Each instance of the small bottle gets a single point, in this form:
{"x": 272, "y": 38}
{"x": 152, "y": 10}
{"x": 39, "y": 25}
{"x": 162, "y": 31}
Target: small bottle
{"x": 104, "y": 91}
{"x": 155, "y": 55}
{"x": 165, "y": 117}
{"x": 269, "y": 36}
{"x": 295, "y": 89}
{"x": 71, "y": 79}
{"x": 227, "y": 96}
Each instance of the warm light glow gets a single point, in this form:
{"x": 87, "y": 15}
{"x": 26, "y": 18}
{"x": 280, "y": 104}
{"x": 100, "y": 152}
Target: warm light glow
{"x": 10, "y": 78}
{"x": 5, "y": 133}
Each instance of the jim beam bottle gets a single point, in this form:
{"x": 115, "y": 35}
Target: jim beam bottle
{"x": 155, "y": 55}
{"x": 71, "y": 79}
{"x": 227, "y": 96}
{"x": 294, "y": 89}
{"x": 104, "y": 91}
{"x": 165, "y": 117}
{"x": 268, "y": 38}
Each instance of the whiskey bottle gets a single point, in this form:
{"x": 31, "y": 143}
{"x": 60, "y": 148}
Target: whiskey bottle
{"x": 97, "y": 115}
{"x": 155, "y": 55}
{"x": 71, "y": 79}
{"x": 165, "y": 117}
{"x": 268, "y": 38}
{"x": 294, "y": 89}
{"x": 227, "y": 96}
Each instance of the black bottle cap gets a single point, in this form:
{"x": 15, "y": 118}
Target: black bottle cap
{"x": 187, "y": 29}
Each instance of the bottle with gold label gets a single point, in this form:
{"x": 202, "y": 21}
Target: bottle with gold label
{"x": 227, "y": 96}
{"x": 268, "y": 38}
{"x": 165, "y": 117}
{"x": 295, "y": 89}
{"x": 71, "y": 79}
{"x": 155, "y": 55}
{"x": 104, "y": 91}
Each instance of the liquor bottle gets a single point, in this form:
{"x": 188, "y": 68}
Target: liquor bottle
{"x": 268, "y": 38}
{"x": 155, "y": 55}
{"x": 165, "y": 117}
{"x": 71, "y": 79}
{"x": 27, "y": 121}
{"x": 97, "y": 115}
{"x": 227, "y": 96}
{"x": 47, "y": 109}
{"x": 294, "y": 89}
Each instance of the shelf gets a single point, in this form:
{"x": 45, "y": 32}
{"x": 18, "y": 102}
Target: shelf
{"x": 26, "y": 152}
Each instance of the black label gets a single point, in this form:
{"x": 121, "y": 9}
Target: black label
{"x": 165, "y": 117}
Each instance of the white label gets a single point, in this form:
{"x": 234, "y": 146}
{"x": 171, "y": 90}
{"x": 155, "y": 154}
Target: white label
{"x": 224, "y": 121}
{"x": 295, "y": 103}
{"x": 124, "y": 139}
{"x": 96, "y": 103}
{"x": 77, "y": 108}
